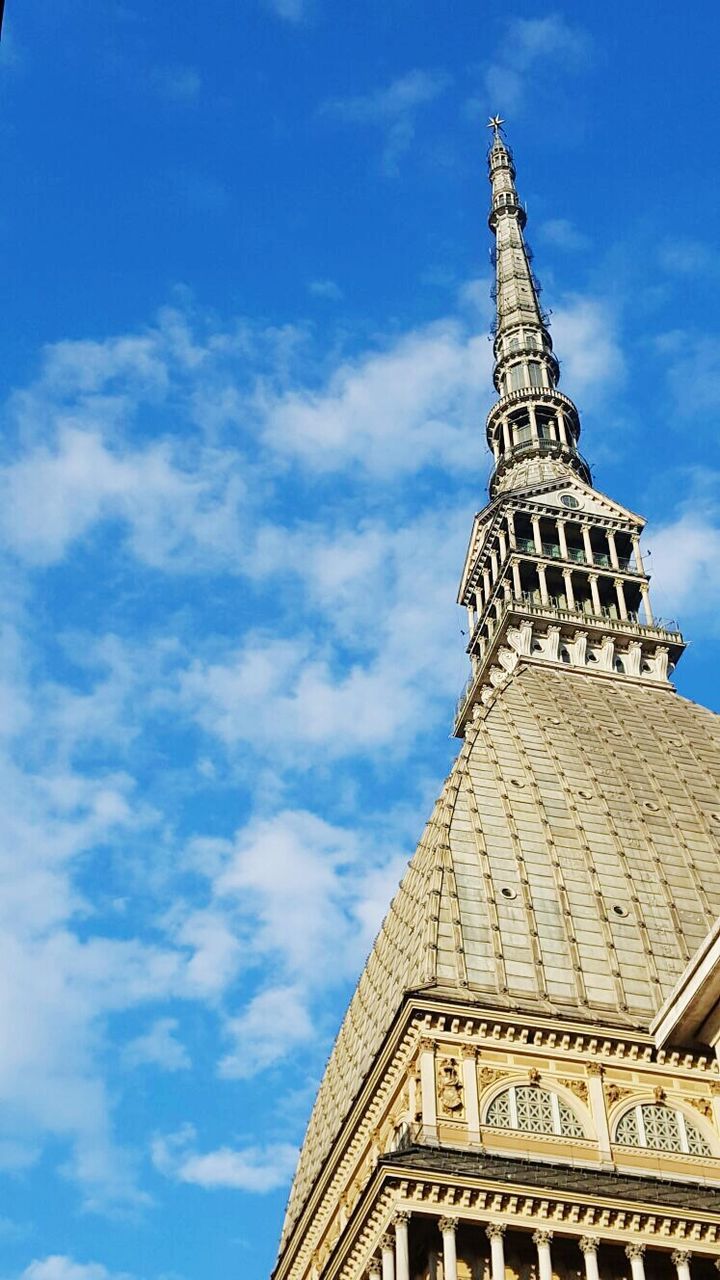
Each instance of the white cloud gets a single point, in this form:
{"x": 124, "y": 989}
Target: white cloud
{"x": 585, "y": 337}
{"x": 61, "y": 1267}
{"x": 327, "y": 289}
{"x": 174, "y": 516}
{"x": 528, "y": 45}
{"x": 393, "y": 109}
{"x": 563, "y": 234}
{"x": 686, "y": 563}
{"x": 273, "y": 1024}
{"x": 254, "y": 1169}
{"x": 158, "y": 1047}
{"x": 417, "y": 403}
{"x": 683, "y": 256}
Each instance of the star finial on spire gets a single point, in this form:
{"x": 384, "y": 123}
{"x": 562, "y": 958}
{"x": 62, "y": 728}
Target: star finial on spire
{"x": 495, "y": 123}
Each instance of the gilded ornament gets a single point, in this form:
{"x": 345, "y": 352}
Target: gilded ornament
{"x": 578, "y": 1087}
{"x": 615, "y": 1092}
{"x": 703, "y": 1105}
{"x": 450, "y": 1090}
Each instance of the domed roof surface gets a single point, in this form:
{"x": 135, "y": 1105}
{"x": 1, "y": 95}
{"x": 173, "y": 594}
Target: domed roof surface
{"x": 570, "y": 867}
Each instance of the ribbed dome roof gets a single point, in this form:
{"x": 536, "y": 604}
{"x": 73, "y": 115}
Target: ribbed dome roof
{"x": 571, "y": 867}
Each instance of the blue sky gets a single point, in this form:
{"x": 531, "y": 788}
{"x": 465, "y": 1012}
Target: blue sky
{"x": 245, "y": 369}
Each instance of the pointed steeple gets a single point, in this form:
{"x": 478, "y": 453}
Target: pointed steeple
{"x": 531, "y": 419}
{"x": 554, "y": 573}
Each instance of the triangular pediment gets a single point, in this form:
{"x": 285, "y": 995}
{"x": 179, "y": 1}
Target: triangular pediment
{"x": 589, "y": 501}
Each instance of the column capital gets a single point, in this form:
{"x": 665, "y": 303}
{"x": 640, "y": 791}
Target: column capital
{"x": 542, "y": 1237}
{"x": 426, "y": 1045}
{"x": 401, "y": 1217}
{"x": 588, "y": 1244}
{"x": 495, "y": 1230}
{"x": 634, "y": 1251}
{"x": 448, "y": 1224}
{"x": 681, "y": 1257}
{"x": 387, "y": 1243}
{"x": 374, "y": 1270}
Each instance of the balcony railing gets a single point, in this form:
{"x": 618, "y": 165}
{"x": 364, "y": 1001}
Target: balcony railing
{"x": 575, "y": 554}
{"x": 662, "y": 629}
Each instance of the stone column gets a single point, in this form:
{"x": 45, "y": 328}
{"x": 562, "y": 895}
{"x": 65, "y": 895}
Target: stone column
{"x": 495, "y": 1233}
{"x": 599, "y": 1110}
{"x": 506, "y": 435}
{"x": 517, "y": 588}
{"x": 593, "y": 580}
{"x": 543, "y": 584}
{"x": 486, "y": 583}
{"x": 647, "y": 610}
{"x": 448, "y": 1227}
{"x": 681, "y": 1258}
{"x": 470, "y": 1089}
{"x": 561, "y": 428}
{"x": 479, "y": 602}
{"x": 503, "y": 543}
{"x": 620, "y": 592}
{"x": 542, "y": 1240}
{"x": 472, "y": 620}
{"x": 589, "y": 1246}
{"x": 562, "y": 540}
{"x": 533, "y": 422}
{"x": 387, "y": 1251}
{"x": 510, "y": 521}
{"x": 427, "y": 1087}
{"x": 402, "y": 1250}
{"x": 612, "y": 548}
{"x": 636, "y": 552}
{"x": 374, "y": 1270}
{"x": 567, "y": 575}
{"x": 587, "y": 544}
{"x": 495, "y": 564}
{"x": 535, "y": 520}
{"x": 636, "y": 1253}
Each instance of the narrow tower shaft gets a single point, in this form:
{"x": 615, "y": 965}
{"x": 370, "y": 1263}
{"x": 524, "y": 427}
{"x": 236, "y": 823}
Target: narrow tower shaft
{"x": 554, "y": 572}
{"x": 532, "y": 423}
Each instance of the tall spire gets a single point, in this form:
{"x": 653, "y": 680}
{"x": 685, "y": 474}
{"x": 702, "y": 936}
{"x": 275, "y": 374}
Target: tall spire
{"x": 532, "y": 421}
{"x": 554, "y": 573}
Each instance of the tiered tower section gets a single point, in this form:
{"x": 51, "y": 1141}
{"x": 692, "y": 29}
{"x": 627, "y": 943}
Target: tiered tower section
{"x": 554, "y": 571}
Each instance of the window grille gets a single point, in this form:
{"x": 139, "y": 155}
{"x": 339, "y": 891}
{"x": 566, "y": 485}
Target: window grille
{"x": 533, "y": 1110}
{"x": 660, "y": 1128}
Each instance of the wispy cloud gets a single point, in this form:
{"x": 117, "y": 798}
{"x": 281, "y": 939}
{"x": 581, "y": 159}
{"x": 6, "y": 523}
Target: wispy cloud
{"x": 325, "y": 289}
{"x": 511, "y": 78}
{"x": 250, "y": 1168}
{"x": 683, "y": 256}
{"x": 392, "y": 109}
{"x": 61, "y": 1267}
{"x": 563, "y": 234}
{"x": 158, "y": 1047}
{"x": 288, "y": 10}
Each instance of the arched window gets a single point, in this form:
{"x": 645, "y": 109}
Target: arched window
{"x": 662, "y": 1128}
{"x": 533, "y": 1110}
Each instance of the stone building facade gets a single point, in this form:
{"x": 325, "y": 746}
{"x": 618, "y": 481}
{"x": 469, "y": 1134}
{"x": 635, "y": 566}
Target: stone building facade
{"x": 526, "y": 1081}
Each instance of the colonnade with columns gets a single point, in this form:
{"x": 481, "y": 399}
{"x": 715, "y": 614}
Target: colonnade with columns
{"x": 392, "y": 1262}
{"x": 508, "y": 548}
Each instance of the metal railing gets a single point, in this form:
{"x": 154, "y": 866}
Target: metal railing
{"x": 666, "y": 629}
